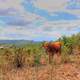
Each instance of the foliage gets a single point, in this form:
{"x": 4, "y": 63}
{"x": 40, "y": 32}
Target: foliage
{"x": 71, "y": 42}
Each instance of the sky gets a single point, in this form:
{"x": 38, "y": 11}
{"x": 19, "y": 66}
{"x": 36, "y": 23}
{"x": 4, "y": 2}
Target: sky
{"x": 38, "y": 19}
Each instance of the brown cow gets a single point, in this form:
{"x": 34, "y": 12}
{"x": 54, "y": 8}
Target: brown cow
{"x": 52, "y": 48}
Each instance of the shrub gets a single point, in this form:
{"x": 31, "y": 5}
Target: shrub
{"x": 19, "y": 58}
{"x": 65, "y": 55}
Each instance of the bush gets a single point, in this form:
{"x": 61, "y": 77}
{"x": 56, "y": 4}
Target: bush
{"x": 65, "y": 55}
{"x": 19, "y": 58}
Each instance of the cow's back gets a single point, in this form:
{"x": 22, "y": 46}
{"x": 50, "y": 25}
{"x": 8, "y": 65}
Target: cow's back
{"x": 55, "y": 45}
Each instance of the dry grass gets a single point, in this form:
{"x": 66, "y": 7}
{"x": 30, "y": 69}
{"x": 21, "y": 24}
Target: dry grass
{"x": 62, "y": 71}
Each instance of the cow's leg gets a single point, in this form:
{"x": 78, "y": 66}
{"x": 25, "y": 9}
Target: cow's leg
{"x": 59, "y": 56}
{"x": 50, "y": 57}
{"x": 58, "y": 52}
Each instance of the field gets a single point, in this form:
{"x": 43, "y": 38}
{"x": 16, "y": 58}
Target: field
{"x": 30, "y": 61}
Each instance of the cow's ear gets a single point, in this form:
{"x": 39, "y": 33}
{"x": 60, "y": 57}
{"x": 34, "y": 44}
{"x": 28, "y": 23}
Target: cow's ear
{"x": 45, "y": 43}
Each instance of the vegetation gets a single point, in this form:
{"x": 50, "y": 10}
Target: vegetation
{"x": 18, "y": 54}
{"x": 32, "y": 54}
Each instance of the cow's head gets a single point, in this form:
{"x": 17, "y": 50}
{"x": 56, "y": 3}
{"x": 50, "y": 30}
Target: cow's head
{"x": 45, "y": 45}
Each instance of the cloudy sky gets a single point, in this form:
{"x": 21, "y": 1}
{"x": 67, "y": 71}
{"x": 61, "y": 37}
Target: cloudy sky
{"x": 38, "y": 19}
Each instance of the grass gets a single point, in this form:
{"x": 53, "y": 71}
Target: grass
{"x": 30, "y": 56}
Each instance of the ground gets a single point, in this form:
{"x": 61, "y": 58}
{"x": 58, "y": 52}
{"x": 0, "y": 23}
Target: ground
{"x": 63, "y": 71}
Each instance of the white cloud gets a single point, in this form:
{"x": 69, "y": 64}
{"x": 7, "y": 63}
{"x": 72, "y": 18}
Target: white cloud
{"x": 18, "y": 10}
{"x": 62, "y": 25}
{"x": 56, "y": 5}
{"x": 50, "y": 5}
{"x": 10, "y": 4}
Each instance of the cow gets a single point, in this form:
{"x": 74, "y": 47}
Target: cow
{"x": 52, "y": 48}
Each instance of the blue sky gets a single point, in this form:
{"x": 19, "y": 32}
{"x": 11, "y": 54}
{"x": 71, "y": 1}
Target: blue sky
{"x": 38, "y": 19}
